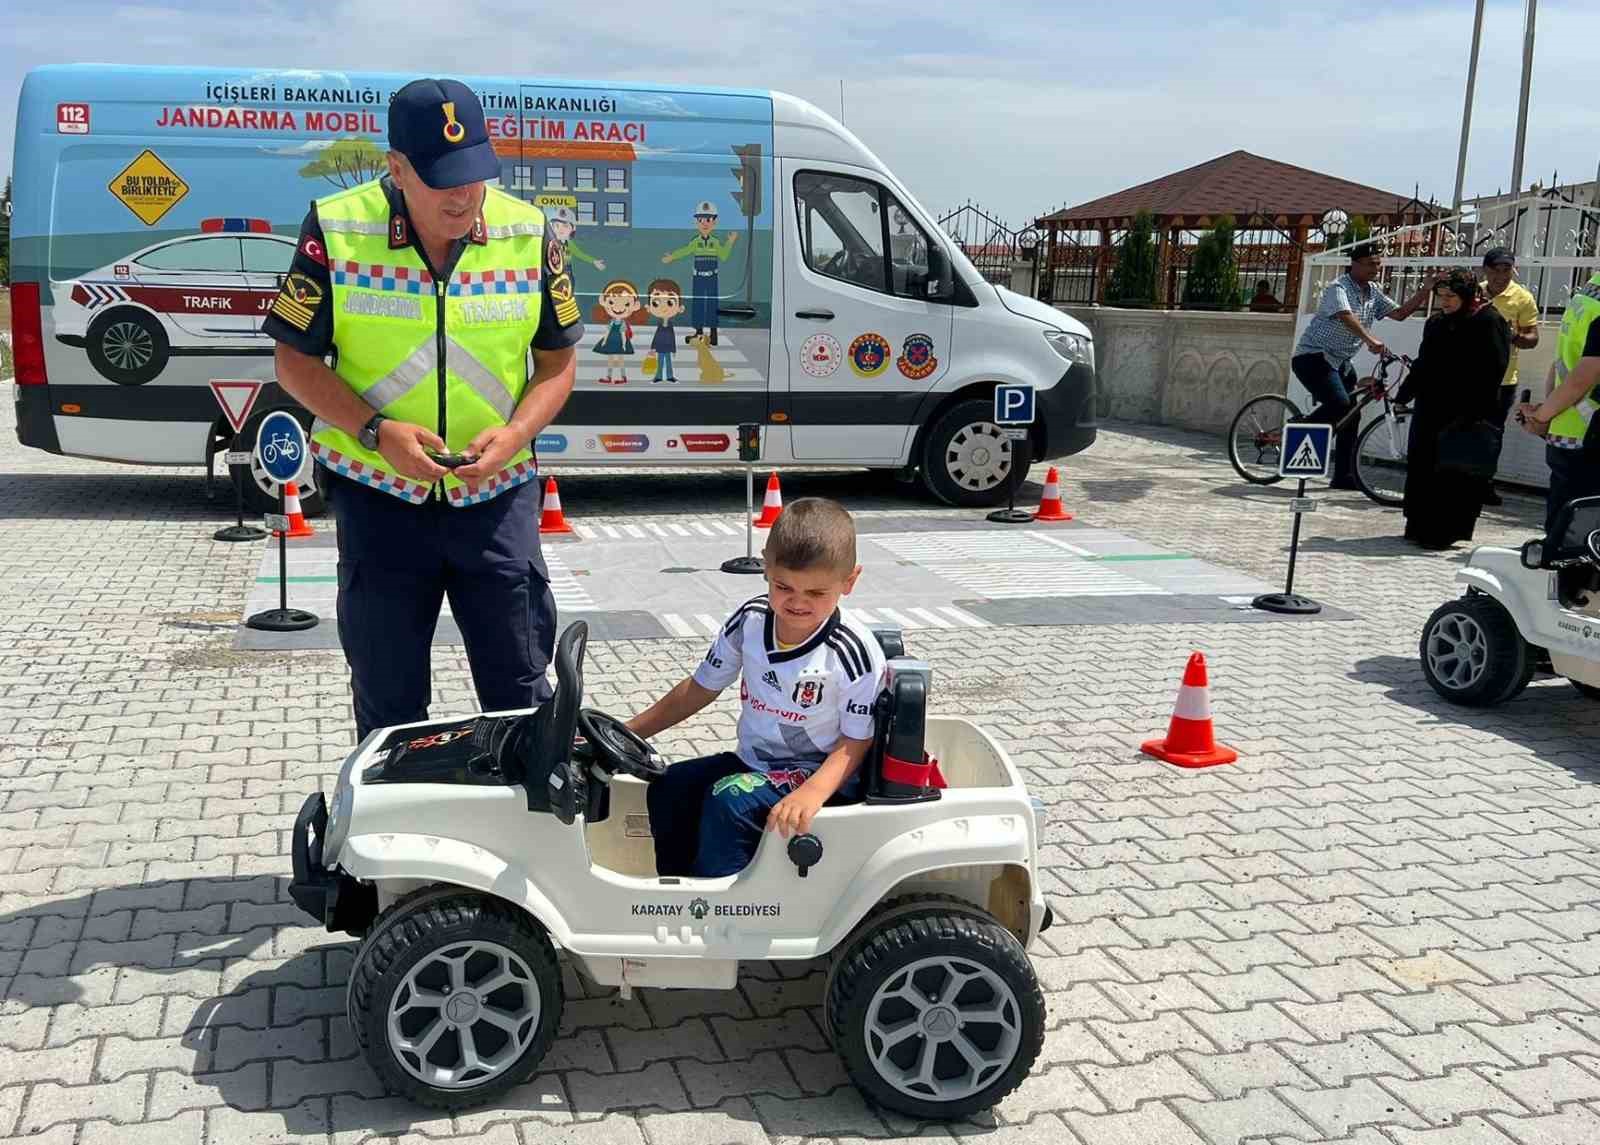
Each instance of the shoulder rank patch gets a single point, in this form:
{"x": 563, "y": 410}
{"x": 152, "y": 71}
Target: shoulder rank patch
{"x": 567, "y": 312}
{"x": 297, "y": 302}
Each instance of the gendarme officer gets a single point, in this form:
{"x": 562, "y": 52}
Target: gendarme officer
{"x": 425, "y": 290}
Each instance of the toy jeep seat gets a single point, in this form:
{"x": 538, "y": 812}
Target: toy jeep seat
{"x": 898, "y": 768}
{"x": 1567, "y": 550}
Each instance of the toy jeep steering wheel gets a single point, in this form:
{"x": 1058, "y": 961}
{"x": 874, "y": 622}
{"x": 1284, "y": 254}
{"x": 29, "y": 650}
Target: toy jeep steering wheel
{"x": 615, "y": 748}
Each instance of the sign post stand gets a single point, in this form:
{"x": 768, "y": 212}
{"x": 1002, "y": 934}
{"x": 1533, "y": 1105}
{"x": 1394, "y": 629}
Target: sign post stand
{"x": 237, "y": 399}
{"x": 749, "y": 453}
{"x": 1013, "y": 413}
{"x": 1307, "y": 452}
{"x": 281, "y": 448}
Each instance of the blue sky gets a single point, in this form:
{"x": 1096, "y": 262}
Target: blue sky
{"x": 1030, "y": 106}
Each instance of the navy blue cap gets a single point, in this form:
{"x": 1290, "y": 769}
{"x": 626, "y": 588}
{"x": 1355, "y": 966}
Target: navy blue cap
{"x": 438, "y": 125}
{"x": 1499, "y": 256}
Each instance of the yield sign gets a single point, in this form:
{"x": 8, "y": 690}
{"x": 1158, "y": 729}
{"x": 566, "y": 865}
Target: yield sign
{"x": 236, "y": 399}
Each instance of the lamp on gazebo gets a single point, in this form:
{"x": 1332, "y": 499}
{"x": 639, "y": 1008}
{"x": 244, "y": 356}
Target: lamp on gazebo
{"x": 1334, "y": 224}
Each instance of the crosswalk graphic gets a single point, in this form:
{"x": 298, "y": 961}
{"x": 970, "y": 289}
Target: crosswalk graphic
{"x": 999, "y": 566}
{"x": 570, "y": 595}
{"x": 909, "y": 618}
{"x": 663, "y": 530}
{"x": 710, "y": 365}
{"x": 1305, "y": 458}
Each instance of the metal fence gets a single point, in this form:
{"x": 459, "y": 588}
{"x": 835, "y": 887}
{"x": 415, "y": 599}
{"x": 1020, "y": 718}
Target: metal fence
{"x": 1004, "y": 256}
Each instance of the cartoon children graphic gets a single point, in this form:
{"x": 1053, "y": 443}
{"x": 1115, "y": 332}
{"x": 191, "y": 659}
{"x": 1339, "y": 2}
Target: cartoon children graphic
{"x": 619, "y": 308}
{"x": 708, "y": 253}
{"x": 563, "y": 226}
{"x": 666, "y": 303}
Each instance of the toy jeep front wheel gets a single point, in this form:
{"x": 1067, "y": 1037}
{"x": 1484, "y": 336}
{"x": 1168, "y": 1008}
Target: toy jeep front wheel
{"x": 455, "y": 999}
{"x": 937, "y": 1014}
{"x": 1472, "y": 653}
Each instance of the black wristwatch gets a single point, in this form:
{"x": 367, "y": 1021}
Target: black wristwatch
{"x": 369, "y": 432}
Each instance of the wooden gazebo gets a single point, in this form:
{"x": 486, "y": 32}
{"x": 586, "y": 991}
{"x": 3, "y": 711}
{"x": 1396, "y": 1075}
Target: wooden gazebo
{"x": 1278, "y": 209}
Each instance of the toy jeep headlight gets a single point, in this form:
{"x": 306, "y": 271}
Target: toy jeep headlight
{"x": 338, "y": 823}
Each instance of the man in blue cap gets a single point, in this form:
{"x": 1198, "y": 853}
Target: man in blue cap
{"x": 404, "y": 325}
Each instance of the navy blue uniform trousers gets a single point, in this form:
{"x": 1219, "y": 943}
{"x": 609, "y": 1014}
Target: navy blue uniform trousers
{"x": 397, "y": 564}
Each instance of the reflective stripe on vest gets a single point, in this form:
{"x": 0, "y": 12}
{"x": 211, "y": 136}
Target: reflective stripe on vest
{"x": 387, "y": 309}
{"x": 1571, "y": 427}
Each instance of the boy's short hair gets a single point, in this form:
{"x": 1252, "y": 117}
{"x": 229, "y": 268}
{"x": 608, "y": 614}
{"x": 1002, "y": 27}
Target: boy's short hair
{"x": 813, "y": 533}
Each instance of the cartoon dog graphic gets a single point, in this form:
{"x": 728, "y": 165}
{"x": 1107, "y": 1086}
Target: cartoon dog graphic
{"x": 711, "y": 370}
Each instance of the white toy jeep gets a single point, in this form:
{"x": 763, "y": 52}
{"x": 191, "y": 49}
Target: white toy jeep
{"x": 464, "y": 853}
{"x": 1524, "y": 612}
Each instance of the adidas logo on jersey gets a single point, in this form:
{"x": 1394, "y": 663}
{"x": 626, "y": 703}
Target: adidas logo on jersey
{"x": 770, "y": 679}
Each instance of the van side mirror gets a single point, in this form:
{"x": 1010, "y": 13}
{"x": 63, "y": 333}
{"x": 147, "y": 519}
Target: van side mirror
{"x": 941, "y": 274}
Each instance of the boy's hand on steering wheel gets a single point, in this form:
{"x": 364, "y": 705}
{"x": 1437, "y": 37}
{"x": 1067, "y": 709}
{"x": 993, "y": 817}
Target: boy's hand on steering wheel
{"x": 794, "y": 812}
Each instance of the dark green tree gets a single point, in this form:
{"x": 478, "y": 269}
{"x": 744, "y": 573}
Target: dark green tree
{"x": 5, "y": 235}
{"x": 1133, "y": 281}
{"x": 1213, "y": 280}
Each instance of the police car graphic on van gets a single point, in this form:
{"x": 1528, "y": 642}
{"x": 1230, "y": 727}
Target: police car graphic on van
{"x": 204, "y": 293}
{"x": 146, "y": 248}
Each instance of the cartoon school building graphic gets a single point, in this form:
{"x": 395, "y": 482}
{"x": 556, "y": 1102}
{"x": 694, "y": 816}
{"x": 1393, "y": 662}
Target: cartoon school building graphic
{"x": 598, "y": 175}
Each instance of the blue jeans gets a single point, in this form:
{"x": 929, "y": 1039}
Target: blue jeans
{"x": 708, "y": 814}
{"x": 663, "y": 362}
{"x": 1331, "y": 388}
{"x": 1573, "y": 473}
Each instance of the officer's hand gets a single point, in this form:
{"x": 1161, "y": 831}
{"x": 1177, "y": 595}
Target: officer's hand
{"x": 490, "y": 450}
{"x": 403, "y": 446}
{"x": 666, "y": 258}
{"x": 733, "y": 237}
{"x": 599, "y": 264}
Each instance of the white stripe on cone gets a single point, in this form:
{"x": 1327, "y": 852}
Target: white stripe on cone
{"x": 1193, "y": 703}
{"x": 291, "y": 500}
{"x": 1052, "y": 491}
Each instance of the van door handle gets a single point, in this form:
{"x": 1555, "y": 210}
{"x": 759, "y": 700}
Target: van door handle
{"x": 737, "y": 311}
{"x": 819, "y": 315}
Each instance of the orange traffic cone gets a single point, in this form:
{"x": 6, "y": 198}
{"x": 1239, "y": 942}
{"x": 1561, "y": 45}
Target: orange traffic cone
{"x": 1189, "y": 741}
{"x": 298, "y": 526}
{"x": 553, "y": 520}
{"x": 772, "y": 506}
{"x": 1050, "y": 506}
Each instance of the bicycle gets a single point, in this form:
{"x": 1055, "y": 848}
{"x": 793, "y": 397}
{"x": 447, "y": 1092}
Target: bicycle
{"x": 280, "y": 442}
{"x": 1255, "y": 436}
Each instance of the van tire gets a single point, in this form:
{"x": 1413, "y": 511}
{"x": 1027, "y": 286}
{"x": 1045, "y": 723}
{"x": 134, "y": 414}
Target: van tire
{"x": 127, "y": 346}
{"x": 313, "y": 501}
{"x": 959, "y": 462}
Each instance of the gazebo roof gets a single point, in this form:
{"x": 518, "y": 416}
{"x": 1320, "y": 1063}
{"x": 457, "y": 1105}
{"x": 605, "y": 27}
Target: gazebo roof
{"x": 1238, "y": 184}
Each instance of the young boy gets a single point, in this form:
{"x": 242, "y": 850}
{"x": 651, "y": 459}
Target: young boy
{"x": 810, "y": 677}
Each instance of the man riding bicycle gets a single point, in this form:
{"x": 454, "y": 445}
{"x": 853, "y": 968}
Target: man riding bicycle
{"x": 1350, "y": 305}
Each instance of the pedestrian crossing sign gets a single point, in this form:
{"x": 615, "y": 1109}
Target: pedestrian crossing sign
{"x": 1307, "y": 450}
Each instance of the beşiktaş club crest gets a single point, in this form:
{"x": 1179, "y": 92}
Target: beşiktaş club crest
{"x": 808, "y": 693}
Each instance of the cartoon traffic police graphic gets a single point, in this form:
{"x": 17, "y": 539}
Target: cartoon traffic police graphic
{"x": 707, "y": 253}
{"x": 199, "y": 294}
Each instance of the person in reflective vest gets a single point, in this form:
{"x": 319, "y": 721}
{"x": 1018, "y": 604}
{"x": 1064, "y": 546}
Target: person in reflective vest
{"x": 1566, "y": 419}
{"x": 706, "y": 252}
{"x": 427, "y": 289}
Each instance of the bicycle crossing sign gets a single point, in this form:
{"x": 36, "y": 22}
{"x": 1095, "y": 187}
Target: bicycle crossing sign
{"x": 1307, "y": 450}
{"x": 281, "y": 447}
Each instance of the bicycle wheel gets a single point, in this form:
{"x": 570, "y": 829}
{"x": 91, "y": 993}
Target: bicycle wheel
{"x": 1255, "y": 439}
{"x": 1381, "y": 459}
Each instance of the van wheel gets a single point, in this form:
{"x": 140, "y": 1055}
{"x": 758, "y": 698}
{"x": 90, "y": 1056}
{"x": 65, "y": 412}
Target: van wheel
{"x": 936, "y": 1015}
{"x": 127, "y": 347}
{"x": 455, "y": 999}
{"x": 967, "y": 458}
{"x": 260, "y": 493}
{"x": 1472, "y": 653}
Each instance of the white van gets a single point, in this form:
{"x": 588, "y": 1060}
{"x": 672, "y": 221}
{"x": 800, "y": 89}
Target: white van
{"x": 155, "y": 212}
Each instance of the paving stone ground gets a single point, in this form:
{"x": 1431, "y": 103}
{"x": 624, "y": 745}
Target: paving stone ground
{"x": 1378, "y": 927}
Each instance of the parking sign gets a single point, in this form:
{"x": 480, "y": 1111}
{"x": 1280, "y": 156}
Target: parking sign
{"x": 281, "y": 447}
{"x": 1307, "y": 449}
{"x": 1013, "y": 405}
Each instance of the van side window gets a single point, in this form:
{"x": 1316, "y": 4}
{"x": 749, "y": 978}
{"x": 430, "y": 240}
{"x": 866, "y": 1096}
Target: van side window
{"x": 846, "y": 224}
{"x": 195, "y": 254}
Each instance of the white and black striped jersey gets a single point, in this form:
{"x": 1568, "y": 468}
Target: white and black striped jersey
{"x": 796, "y": 703}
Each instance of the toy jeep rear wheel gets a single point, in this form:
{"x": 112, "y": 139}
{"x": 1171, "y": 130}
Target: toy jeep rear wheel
{"x": 455, "y": 999}
{"x": 1472, "y": 653}
{"x": 936, "y": 1014}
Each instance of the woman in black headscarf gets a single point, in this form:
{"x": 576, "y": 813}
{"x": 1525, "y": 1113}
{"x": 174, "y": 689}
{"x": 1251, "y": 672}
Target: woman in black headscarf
{"x": 1454, "y": 387}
